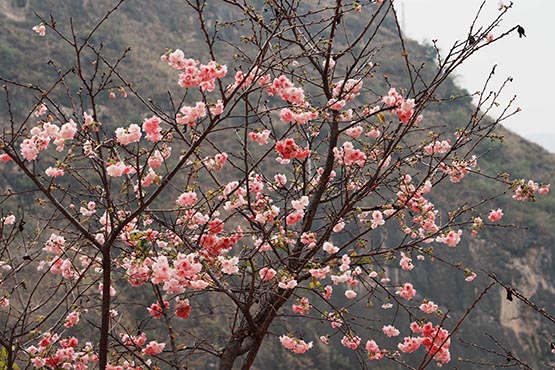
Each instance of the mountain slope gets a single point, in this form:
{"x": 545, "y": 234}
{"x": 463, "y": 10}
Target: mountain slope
{"x": 520, "y": 258}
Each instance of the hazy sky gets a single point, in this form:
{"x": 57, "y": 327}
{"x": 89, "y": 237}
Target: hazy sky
{"x": 528, "y": 60}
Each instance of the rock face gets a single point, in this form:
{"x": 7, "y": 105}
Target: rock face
{"x": 15, "y": 10}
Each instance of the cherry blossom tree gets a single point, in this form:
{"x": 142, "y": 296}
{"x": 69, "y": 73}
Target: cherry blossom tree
{"x": 291, "y": 182}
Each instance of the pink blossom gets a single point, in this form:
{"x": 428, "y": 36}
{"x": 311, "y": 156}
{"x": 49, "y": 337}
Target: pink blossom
{"x": 350, "y": 341}
{"x": 294, "y": 217}
{"x": 390, "y": 330}
{"x": 112, "y": 291}
{"x": 55, "y": 244}
{"x": 406, "y": 262}
{"x": 377, "y": 219}
{"x": 339, "y": 226}
{"x": 267, "y": 273}
{"x": 38, "y": 362}
{"x": 470, "y": 277}
{"x": 5, "y": 158}
{"x": 354, "y": 132}
{"x": 336, "y": 104}
{"x": 409, "y": 345}
{"x": 216, "y": 163}
{"x": 119, "y": 169}
{"x": 40, "y": 29}
{"x": 330, "y": 248}
{"x": 374, "y": 352}
{"x": 8, "y": 220}
{"x": 437, "y": 147}
{"x": 300, "y": 204}
{"x": 428, "y": 307}
{"x": 153, "y": 348}
{"x": 68, "y": 130}
{"x": 54, "y": 172}
{"x": 302, "y": 306}
{"x": 89, "y": 211}
{"x": 229, "y": 265}
{"x": 295, "y": 345}
{"x": 495, "y": 215}
{"x": 151, "y": 126}
{"x": 451, "y": 239}
{"x": 406, "y": 291}
{"x": 71, "y": 319}
{"x": 293, "y": 95}
{"x": 319, "y": 273}
{"x": 328, "y": 291}
{"x": 187, "y": 199}
{"x": 182, "y": 308}
{"x": 350, "y": 294}
{"x": 260, "y": 137}
{"x": 129, "y": 135}
{"x": 29, "y": 148}
{"x": 280, "y": 179}
{"x": 188, "y": 115}
{"x": 349, "y": 156}
{"x": 130, "y": 340}
{"x": 288, "y": 149}
{"x": 41, "y": 110}
{"x": 218, "y": 108}
{"x": 69, "y": 342}
{"x": 287, "y": 283}
{"x": 374, "y": 133}
{"x": 393, "y": 98}
{"x": 155, "y": 310}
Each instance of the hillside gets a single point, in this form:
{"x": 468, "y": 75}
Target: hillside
{"x": 521, "y": 253}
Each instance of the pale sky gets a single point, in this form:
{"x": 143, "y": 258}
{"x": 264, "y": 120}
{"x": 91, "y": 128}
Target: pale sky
{"x": 528, "y": 60}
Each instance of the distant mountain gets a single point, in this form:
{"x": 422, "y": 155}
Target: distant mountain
{"x": 521, "y": 258}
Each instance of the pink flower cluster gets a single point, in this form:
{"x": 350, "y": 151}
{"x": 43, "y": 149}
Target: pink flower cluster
{"x": 350, "y": 341}
{"x": 435, "y": 339}
{"x": 406, "y": 291}
{"x": 526, "y": 190}
{"x": 297, "y": 115}
{"x": 390, "y": 331}
{"x": 295, "y": 345}
{"x": 495, "y": 215}
{"x": 193, "y": 73}
{"x": 458, "y": 168}
{"x": 40, "y": 29}
{"x": 406, "y": 262}
{"x": 342, "y": 93}
{"x": 428, "y": 307}
{"x": 302, "y": 306}
{"x": 42, "y": 135}
{"x": 437, "y": 147}
{"x": 126, "y": 136}
{"x": 65, "y": 357}
{"x": 349, "y": 156}
{"x": 403, "y": 107}
{"x": 374, "y": 352}
{"x": 260, "y": 137}
{"x": 116, "y": 169}
{"x": 188, "y": 115}
{"x": 288, "y": 149}
{"x": 452, "y": 238}
{"x": 182, "y": 308}
{"x": 151, "y": 126}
